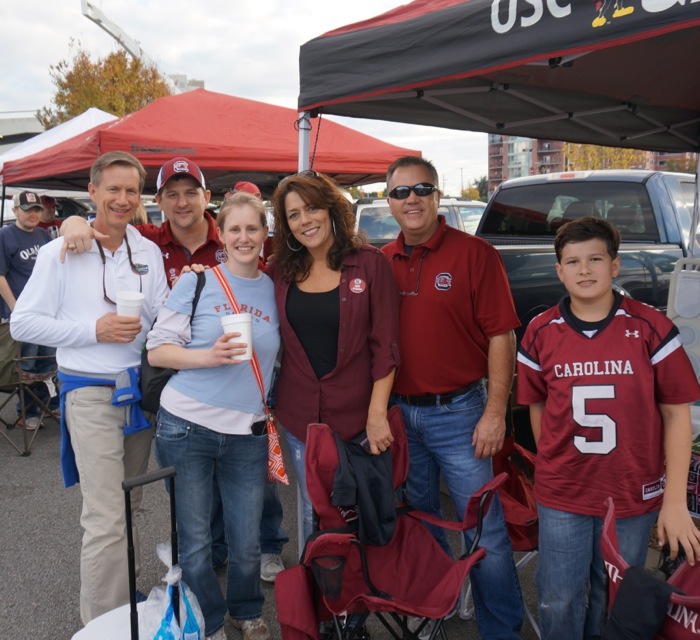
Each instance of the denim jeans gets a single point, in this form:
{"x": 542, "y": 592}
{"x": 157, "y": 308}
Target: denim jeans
{"x": 571, "y": 561}
{"x": 297, "y": 450}
{"x": 272, "y": 534}
{"x": 440, "y": 443}
{"x": 239, "y": 463}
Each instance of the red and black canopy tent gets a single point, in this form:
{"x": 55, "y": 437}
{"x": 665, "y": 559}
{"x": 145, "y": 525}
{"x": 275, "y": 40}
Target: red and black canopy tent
{"x": 586, "y": 71}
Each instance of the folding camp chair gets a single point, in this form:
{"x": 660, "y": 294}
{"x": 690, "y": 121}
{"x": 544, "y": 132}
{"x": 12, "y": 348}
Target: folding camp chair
{"x": 682, "y": 619}
{"x": 22, "y": 386}
{"x": 411, "y": 575}
{"x": 517, "y": 495}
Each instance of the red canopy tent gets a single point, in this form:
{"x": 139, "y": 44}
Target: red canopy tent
{"x": 230, "y": 138}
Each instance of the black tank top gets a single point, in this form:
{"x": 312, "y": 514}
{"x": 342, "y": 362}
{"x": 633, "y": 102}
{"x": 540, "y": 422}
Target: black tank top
{"x": 315, "y": 318}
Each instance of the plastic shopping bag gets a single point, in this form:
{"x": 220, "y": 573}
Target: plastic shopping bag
{"x": 157, "y": 620}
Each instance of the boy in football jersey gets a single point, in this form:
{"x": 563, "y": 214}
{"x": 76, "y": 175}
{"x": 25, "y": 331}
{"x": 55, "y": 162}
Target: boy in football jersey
{"x": 609, "y": 387}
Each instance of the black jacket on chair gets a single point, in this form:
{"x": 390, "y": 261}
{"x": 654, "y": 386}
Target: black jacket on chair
{"x": 364, "y": 481}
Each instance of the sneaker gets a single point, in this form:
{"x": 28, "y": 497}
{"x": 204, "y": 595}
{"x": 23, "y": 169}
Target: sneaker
{"x": 270, "y": 565}
{"x": 217, "y": 635}
{"x": 30, "y": 424}
{"x": 255, "y": 629}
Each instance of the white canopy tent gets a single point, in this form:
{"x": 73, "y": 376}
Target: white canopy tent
{"x": 75, "y": 126}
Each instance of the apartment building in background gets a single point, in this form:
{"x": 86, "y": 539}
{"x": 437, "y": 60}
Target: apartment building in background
{"x": 514, "y": 156}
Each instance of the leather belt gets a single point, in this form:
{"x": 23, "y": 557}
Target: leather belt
{"x": 438, "y": 399}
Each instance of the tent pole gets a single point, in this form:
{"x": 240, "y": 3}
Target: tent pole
{"x": 2, "y": 206}
{"x": 694, "y": 218}
{"x": 304, "y": 124}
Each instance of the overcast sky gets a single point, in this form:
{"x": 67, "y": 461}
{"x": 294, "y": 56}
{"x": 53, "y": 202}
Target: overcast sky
{"x": 245, "y": 48}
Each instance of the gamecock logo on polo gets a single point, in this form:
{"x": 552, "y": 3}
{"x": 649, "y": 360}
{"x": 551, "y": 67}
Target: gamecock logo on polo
{"x": 443, "y": 281}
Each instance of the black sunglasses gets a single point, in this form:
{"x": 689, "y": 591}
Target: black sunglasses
{"x": 306, "y": 173}
{"x": 104, "y": 264}
{"x": 421, "y": 190}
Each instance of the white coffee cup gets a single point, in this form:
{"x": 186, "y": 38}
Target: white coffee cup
{"x": 129, "y": 303}
{"x": 240, "y": 323}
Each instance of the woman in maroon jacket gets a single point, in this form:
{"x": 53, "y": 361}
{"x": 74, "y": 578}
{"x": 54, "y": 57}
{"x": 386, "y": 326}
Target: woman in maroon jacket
{"x": 338, "y": 308}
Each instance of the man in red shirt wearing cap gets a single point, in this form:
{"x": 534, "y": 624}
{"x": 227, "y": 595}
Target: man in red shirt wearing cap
{"x": 48, "y": 217}
{"x": 188, "y": 236}
{"x": 456, "y": 323}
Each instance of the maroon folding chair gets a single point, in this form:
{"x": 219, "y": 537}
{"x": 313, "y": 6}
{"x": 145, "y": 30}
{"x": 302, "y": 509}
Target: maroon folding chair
{"x": 517, "y": 495}
{"x": 411, "y": 575}
{"x": 682, "y": 620}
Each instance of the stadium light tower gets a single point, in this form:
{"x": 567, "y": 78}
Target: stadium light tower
{"x": 124, "y": 39}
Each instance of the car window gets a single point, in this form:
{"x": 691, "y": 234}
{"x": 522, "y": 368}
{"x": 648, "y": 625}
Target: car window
{"x": 539, "y": 210}
{"x": 471, "y": 216}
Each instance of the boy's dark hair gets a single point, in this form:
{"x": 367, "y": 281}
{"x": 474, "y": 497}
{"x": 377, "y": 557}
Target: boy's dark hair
{"x": 587, "y": 229}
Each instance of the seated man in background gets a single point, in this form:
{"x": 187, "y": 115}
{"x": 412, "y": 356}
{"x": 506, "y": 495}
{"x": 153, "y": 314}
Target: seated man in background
{"x": 19, "y": 246}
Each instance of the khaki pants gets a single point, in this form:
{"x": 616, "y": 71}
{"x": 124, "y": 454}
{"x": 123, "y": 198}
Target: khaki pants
{"x": 104, "y": 457}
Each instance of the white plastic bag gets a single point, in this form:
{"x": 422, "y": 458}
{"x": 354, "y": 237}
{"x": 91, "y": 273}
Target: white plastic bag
{"x": 157, "y": 620}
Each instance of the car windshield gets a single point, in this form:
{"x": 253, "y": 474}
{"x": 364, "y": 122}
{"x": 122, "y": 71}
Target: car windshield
{"x": 539, "y": 210}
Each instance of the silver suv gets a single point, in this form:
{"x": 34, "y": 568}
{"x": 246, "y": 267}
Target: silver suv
{"x": 372, "y": 216}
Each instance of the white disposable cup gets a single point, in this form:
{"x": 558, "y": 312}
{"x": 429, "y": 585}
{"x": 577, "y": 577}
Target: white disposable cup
{"x": 240, "y": 323}
{"x": 129, "y": 303}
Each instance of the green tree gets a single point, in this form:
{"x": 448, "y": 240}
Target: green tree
{"x": 482, "y": 186}
{"x": 586, "y": 157}
{"x": 117, "y": 83}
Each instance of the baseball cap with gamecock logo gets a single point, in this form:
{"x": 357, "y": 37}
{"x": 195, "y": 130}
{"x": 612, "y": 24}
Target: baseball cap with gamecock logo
{"x": 179, "y": 166}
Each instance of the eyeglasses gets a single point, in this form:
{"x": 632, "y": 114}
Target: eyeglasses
{"x": 420, "y": 268}
{"x": 306, "y": 173}
{"x": 421, "y": 190}
{"x": 104, "y": 264}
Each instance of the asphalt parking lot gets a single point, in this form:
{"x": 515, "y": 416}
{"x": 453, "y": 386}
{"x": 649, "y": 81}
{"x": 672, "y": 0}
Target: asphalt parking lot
{"x": 40, "y": 547}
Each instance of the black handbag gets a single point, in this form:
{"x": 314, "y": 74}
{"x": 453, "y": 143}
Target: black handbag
{"x": 153, "y": 379}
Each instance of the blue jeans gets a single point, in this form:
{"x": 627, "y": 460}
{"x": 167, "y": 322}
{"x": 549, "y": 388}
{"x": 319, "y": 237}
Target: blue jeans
{"x": 571, "y": 562}
{"x": 272, "y": 534}
{"x": 239, "y": 463}
{"x": 297, "y": 450}
{"x": 440, "y": 443}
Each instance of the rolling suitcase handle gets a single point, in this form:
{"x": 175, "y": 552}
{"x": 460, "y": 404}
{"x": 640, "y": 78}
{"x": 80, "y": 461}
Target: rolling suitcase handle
{"x": 127, "y": 486}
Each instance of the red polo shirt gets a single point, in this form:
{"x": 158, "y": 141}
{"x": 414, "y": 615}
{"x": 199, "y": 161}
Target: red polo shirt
{"x": 458, "y": 298}
{"x": 175, "y": 256}
{"x": 368, "y": 350}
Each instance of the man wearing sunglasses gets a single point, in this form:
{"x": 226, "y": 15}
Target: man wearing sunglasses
{"x": 457, "y": 358}
{"x": 71, "y": 306}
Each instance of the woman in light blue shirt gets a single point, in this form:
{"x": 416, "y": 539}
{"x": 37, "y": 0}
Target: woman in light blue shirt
{"x": 212, "y": 418}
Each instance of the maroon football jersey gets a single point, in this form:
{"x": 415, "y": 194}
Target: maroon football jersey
{"x": 602, "y": 432}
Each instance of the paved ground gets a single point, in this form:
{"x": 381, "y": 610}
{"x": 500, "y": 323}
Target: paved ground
{"x": 40, "y": 546}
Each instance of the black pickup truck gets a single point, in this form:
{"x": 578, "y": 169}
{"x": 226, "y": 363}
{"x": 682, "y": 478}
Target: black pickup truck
{"x": 652, "y": 210}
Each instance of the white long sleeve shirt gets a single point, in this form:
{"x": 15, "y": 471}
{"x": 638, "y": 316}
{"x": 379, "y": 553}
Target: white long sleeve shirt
{"x": 61, "y": 303}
